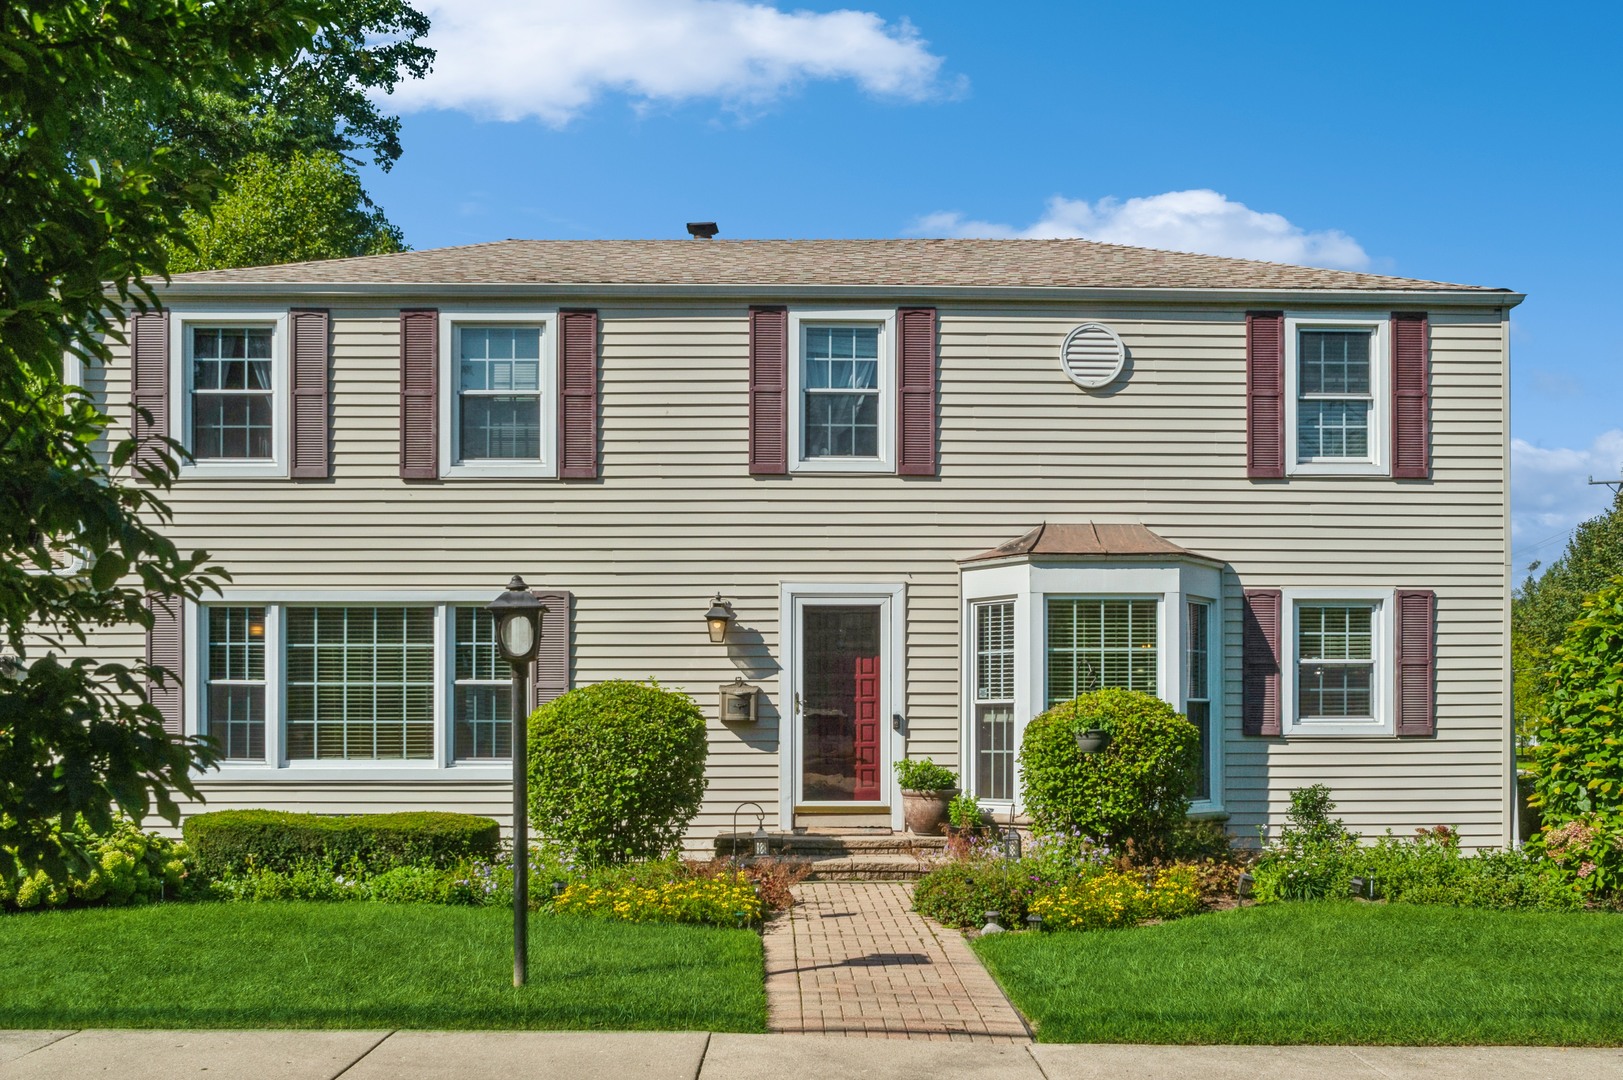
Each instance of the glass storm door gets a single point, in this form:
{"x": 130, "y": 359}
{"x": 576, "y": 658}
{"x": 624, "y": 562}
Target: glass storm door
{"x": 841, "y": 704}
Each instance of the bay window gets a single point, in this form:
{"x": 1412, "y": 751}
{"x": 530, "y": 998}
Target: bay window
{"x": 994, "y": 700}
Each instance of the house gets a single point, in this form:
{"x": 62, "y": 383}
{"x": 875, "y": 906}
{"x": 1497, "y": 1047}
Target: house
{"x": 937, "y": 484}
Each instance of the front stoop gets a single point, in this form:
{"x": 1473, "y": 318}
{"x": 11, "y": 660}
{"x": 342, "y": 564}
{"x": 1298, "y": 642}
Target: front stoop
{"x": 848, "y": 857}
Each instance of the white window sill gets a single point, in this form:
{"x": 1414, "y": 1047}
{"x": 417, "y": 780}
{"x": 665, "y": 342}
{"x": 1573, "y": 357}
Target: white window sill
{"x": 351, "y": 772}
{"x": 519, "y": 470}
{"x": 233, "y": 470}
{"x": 1338, "y": 468}
{"x": 1329, "y": 729}
{"x": 834, "y": 466}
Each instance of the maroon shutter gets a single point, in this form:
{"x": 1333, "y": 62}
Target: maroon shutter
{"x": 419, "y": 395}
{"x": 164, "y": 650}
{"x": 577, "y": 395}
{"x": 1411, "y": 395}
{"x": 1416, "y": 663}
{"x": 769, "y": 391}
{"x": 1260, "y": 711}
{"x": 1265, "y": 394}
{"x": 310, "y": 376}
{"x": 552, "y": 656}
{"x": 915, "y": 393}
{"x": 149, "y": 384}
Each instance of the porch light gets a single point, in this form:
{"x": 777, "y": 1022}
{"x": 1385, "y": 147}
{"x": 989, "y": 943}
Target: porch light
{"x": 718, "y": 618}
{"x": 518, "y": 633}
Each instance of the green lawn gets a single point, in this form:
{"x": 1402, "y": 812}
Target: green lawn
{"x": 369, "y": 966}
{"x": 1325, "y": 973}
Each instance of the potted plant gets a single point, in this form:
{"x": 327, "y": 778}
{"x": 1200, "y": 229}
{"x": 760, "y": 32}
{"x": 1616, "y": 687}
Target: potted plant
{"x": 927, "y": 789}
{"x": 965, "y": 816}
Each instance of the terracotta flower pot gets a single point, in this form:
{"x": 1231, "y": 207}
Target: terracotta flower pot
{"x": 926, "y": 811}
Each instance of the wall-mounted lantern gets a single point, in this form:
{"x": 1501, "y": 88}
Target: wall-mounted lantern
{"x": 718, "y": 618}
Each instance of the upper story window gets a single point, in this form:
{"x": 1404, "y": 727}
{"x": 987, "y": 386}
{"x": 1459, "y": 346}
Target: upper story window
{"x": 843, "y": 381}
{"x": 229, "y": 374}
{"x": 233, "y": 393}
{"x": 1337, "y": 378}
{"x": 498, "y": 393}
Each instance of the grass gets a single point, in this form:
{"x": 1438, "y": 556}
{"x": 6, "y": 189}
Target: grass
{"x": 1337, "y": 972}
{"x": 312, "y": 965}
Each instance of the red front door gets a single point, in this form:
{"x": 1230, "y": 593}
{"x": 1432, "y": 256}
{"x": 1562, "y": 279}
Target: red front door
{"x": 841, "y": 708}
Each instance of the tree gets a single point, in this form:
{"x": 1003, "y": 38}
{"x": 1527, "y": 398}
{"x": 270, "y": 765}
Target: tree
{"x": 79, "y": 234}
{"x": 310, "y": 207}
{"x": 1545, "y": 606}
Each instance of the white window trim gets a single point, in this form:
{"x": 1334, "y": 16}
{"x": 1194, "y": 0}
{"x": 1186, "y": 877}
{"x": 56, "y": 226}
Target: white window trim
{"x": 1381, "y": 649}
{"x": 276, "y": 766}
{"x": 969, "y": 756}
{"x": 1379, "y": 462}
{"x": 1214, "y": 693}
{"x": 1030, "y": 585}
{"x": 451, "y": 321}
{"x": 885, "y": 319}
{"x": 181, "y": 320}
{"x": 891, "y": 599}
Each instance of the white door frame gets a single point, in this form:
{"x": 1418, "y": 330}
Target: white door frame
{"x": 891, "y": 600}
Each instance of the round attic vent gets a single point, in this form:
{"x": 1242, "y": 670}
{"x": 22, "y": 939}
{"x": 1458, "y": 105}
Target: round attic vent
{"x": 1092, "y": 356}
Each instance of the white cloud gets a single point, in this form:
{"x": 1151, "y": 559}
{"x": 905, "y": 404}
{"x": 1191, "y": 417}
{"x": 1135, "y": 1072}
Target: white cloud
{"x": 1550, "y": 493}
{"x": 550, "y": 59}
{"x": 1199, "y": 220}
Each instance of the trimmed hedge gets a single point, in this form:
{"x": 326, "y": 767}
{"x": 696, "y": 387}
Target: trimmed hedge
{"x": 236, "y": 841}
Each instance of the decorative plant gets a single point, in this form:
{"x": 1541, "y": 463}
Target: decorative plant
{"x": 964, "y": 812}
{"x": 924, "y": 775}
{"x": 1136, "y": 789}
{"x": 616, "y": 770}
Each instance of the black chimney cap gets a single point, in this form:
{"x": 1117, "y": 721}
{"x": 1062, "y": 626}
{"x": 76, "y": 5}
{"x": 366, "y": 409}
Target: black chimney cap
{"x": 702, "y": 230}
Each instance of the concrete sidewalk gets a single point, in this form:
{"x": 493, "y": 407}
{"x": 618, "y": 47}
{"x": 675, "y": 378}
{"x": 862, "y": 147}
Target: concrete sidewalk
{"x": 420, "y": 1055}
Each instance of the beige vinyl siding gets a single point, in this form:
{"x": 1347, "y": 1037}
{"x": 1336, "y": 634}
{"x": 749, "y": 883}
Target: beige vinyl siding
{"x": 675, "y": 517}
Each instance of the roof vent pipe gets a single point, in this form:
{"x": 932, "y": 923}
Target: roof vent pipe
{"x": 702, "y": 230}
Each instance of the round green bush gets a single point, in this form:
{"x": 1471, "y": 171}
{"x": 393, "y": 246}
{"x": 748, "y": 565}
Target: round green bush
{"x": 616, "y": 771}
{"x": 1577, "y": 762}
{"x": 1136, "y": 789}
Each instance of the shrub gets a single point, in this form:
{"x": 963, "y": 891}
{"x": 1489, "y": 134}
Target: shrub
{"x": 964, "y": 812}
{"x": 1311, "y": 860}
{"x": 1577, "y": 761}
{"x": 1136, "y": 789}
{"x": 126, "y": 866}
{"x": 230, "y": 842}
{"x": 1587, "y": 851}
{"x": 724, "y": 900}
{"x": 616, "y": 770}
{"x": 424, "y": 885}
{"x": 961, "y": 892}
{"x": 924, "y": 775}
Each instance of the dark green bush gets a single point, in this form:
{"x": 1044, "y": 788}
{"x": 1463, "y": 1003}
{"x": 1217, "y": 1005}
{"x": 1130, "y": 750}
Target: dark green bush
{"x": 239, "y": 841}
{"x": 924, "y": 775}
{"x": 616, "y": 771}
{"x": 127, "y": 866}
{"x": 961, "y": 892}
{"x": 1136, "y": 789}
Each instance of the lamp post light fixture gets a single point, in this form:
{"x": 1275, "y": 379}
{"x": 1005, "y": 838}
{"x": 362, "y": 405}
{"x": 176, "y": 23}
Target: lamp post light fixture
{"x": 718, "y": 618}
{"x": 518, "y": 635}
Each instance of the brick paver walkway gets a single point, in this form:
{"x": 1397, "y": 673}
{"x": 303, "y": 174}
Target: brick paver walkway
{"x": 853, "y": 959}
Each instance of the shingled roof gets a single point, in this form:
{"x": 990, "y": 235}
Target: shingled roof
{"x": 1087, "y": 540}
{"x": 895, "y": 263}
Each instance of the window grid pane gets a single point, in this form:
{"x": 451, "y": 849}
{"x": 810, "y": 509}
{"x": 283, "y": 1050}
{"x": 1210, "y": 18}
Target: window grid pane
{"x": 841, "y": 379}
{"x": 360, "y": 683}
{"x": 1335, "y": 651}
{"x": 232, "y": 390}
{"x": 235, "y": 698}
{"x": 1333, "y": 396}
{"x": 1197, "y": 699}
{"x": 995, "y": 742}
{"x": 1093, "y": 644}
{"x": 483, "y": 699}
{"x": 499, "y": 392}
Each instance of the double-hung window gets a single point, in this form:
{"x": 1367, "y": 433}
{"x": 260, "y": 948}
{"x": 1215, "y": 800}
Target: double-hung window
{"x": 1335, "y": 662}
{"x": 482, "y": 709}
{"x": 234, "y": 662}
{"x": 499, "y": 405}
{"x": 229, "y": 405}
{"x": 1336, "y": 372}
{"x": 994, "y": 677}
{"x": 843, "y": 386}
{"x": 1198, "y": 688}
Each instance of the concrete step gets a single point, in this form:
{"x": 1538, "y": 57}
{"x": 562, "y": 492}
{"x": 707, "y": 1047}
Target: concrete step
{"x": 870, "y": 867}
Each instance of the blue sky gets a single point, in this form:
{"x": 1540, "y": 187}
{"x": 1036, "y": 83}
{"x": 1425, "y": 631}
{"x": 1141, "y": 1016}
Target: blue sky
{"x": 1474, "y": 143}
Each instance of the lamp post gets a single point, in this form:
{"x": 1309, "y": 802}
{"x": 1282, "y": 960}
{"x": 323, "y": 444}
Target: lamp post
{"x": 518, "y": 634}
